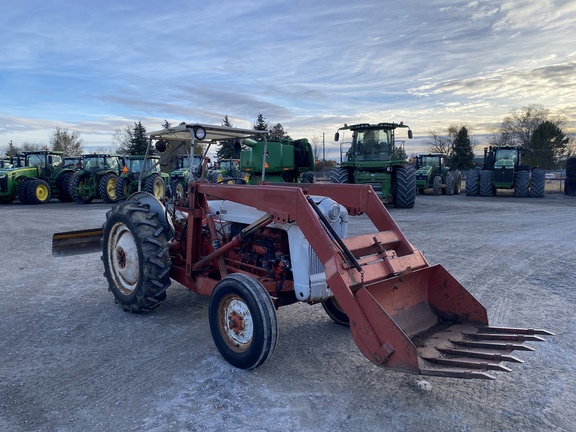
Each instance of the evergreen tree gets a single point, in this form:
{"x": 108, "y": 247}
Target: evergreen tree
{"x": 139, "y": 140}
{"x": 261, "y": 124}
{"x": 462, "y": 153}
{"x": 547, "y": 144}
{"x": 226, "y": 149}
{"x": 277, "y": 132}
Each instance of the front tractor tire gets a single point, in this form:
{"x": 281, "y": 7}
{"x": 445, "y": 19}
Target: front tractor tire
{"x": 135, "y": 255}
{"x": 339, "y": 175}
{"x": 335, "y": 312}
{"x": 107, "y": 188}
{"x": 405, "y": 195}
{"x": 243, "y": 321}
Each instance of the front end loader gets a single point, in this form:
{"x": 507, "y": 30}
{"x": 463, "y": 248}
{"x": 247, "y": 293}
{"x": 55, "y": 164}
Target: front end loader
{"x": 255, "y": 248}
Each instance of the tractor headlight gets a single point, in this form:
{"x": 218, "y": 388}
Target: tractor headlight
{"x": 333, "y": 212}
{"x": 199, "y": 133}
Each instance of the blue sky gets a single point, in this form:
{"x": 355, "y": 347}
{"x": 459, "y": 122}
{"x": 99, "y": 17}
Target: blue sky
{"x": 95, "y": 67}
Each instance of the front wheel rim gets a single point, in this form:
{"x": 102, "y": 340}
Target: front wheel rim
{"x": 235, "y": 323}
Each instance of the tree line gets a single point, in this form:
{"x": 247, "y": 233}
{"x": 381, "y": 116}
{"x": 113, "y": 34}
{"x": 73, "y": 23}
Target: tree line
{"x": 532, "y": 127}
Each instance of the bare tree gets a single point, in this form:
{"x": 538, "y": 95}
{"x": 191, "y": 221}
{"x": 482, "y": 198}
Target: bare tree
{"x": 315, "y": 141}
{"x": 67, "y": 141}
{"x": 519, "y": 125}
{"x": 122, "y": 139}
{"x": 31, "y": 147}
{"x": 438, "y": 143}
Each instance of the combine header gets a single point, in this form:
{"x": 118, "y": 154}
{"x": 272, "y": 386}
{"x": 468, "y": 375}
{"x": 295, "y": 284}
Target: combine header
{"x": 255, "y": 248}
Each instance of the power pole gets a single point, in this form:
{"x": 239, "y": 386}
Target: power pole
{"x": 323, "y": 154}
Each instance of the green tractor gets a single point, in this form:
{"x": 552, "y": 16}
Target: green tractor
{"x": 35, "y": 177}
{"x": 96, "y": 178}
{"x": 375, "y": 158}
{"x": 180, "y": 177}
{"x": 289, "y": 161}
{"x": 503, "y": 169}
{"x": 141, "y": 172}
{"x": 5, "y": 163}
{"x": 223, "y": 170}
{"x": 432, "y": 173}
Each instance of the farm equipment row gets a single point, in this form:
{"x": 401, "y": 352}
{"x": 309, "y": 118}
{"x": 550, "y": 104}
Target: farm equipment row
{"x": 253, "y": 249}
{"x": 41, "y": 175}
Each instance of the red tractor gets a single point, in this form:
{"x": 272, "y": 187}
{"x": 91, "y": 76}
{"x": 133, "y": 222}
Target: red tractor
{"x": 255, "y": 248}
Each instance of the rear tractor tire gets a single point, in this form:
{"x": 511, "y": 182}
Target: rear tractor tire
{"x": 135, "y": 256}
{"x": 457, "y": 186}
{"x": 76, "y": 183}
{"x": 437, "y": 185}
{"x": 63, "y": 186}
{"x": 570, "y": 186}
{"x": 155, "y": 186}
{"x": 449, "y": 186}
{"x": 107, "y": 188}
{"x": 243, "y": 321}
{"x": 472, "y": 182}
{"x": 22, "y": 191}
{"x": 521, "y": 183}
{"x": 38, "y": 191}
{"x": 122, "y": 188}
{"x": 178, "y": 189}
{"x": 537, "y": 183}
{"x": 486, "y": 183}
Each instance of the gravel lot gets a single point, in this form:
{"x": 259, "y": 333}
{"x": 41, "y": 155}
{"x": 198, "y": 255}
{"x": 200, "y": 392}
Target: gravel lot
{"x": 71, "y": 360}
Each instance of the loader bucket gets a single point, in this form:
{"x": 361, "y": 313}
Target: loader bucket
{"x": 429, "y": 324}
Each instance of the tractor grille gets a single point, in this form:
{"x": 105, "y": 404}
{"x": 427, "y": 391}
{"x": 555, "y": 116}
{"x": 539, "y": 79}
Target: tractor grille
{"x": 316, "y": 265}
{"x": 4, "y": 184}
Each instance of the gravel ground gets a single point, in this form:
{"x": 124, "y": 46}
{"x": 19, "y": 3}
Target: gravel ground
{"x": 72, "y": 360}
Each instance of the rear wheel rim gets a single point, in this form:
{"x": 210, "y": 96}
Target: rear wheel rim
{"x": 41, "y": 192}
{"x": 123, "y": 256}
{"x": 111, "y": 188}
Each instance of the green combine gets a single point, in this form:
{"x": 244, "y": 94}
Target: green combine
{"x": 282, "y": 161}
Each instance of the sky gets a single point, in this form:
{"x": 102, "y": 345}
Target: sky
{"x": 97, "y": 67}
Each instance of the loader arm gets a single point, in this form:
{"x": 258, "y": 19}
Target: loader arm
{"x": 404, "y": 314}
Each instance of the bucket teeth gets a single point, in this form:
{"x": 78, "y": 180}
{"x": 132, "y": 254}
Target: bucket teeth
{"x": 481, "y": 355}
{"x": 465, "y": 351}
{"x": 504, "y": 337}
{"x": 492, "y": 345}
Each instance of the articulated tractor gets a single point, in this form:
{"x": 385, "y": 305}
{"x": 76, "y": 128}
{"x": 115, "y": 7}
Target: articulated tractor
{"x": 503, "y": 169}
{"x": 255, "y": 248}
